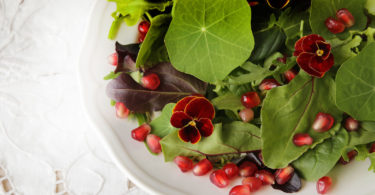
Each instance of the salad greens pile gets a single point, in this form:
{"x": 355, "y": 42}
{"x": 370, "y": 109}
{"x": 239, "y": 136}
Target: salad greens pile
{"x": 223, "y": 49}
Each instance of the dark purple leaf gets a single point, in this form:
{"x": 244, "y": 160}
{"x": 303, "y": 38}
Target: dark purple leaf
{"x": 293, "y": 185}
{"x": 174, "y": 85}
{"x": 127, "y": 55}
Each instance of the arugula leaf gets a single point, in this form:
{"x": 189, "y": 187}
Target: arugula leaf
{"x": 344, "y": 50}
{"x": 322, "y": 9}
{"x": 228, "y": 101}
{"x": 210, "y": 38}
{"x": 111, "y": 75}
{"x": 130, "y": 11}
{"x": 355, "y": 82}
{"x": 152, "y": 49}
{"x": 363, "y": 153}
{"x": 233, "y": 138}
{"x": 161, "y": 126}
{"x": 292, "y": 109}
{"x": 318, "y": 161}
{"x": 370, "y": 6}
{"x": 364, "y": 135}
{"x": 173, "y": 86}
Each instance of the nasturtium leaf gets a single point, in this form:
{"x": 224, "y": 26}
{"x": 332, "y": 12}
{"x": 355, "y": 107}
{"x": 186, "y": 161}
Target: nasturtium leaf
{"x": 355, "y": 83}
{"x": 233, "y": 138}
{"x": 228, "y": 101}
{"x": 161, "y": 126}
{"x": 210, "y": 38}
{"x": 322, "y": 9}
{"x": 364, "y": 135}
{"x": 291, "y": 109}
{"x": 317, "y": 162}
{"x": 153, "y": 49}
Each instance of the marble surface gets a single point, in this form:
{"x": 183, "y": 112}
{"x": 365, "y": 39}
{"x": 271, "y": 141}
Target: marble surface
{"x": 46, "y": 144}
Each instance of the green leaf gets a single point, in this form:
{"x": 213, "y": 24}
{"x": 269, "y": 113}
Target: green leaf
{"x": 355, "y": 83}
{"x": 228, "y": 101}
{"x": 370, "y": 6}
{"x": 344, "y": 50}
{"x": 364, "y": 135}
{"x": 152, "y": 49}
{"x": 234, "y": 138}
{"x": 111, "y": 75}
{"x": 322, "y": 9}
{"x": 130, "y": 11}
{"x": 291, "y": 109}
{"x": 317, "y": 162}
{"x": 210, "y": 38}
{"x": 161, "y": 126}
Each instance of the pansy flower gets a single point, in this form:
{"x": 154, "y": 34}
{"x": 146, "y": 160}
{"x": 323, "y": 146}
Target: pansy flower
{"x": 193, "y": 115}
{"x": 314, "y": 55}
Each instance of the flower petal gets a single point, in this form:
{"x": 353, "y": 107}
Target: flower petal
{"x": 200, "y": 107}
{"x": 205, "y": 127}
{"x": 309, "y": 43}
{"x": 320, "y": 65}
{"x": 180, "y": 106}
{"x": 304, "y": 60}
{"x": 180, "y": 119}
{"x": 298, "y": 46}
{"x": 326, "y": 47}
{"x": 189, "y": 134}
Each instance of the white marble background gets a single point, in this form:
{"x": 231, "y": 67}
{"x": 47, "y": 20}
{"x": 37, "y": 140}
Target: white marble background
{"x": 46, "y": 144}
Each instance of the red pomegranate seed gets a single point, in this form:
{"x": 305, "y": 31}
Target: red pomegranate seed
{"x": 323, "y": 184}
{"x": 268, "y": 84}
{"x": 334, "y": 26}
{"x": 202, "y": 167}
{"x": 254, "y": 183}
{"x": 265, "y": 176}
{"x": 153, "y": 142}
{"x": 231, "y": 170}
{"x": 290, "y": 74}
{"x": 372, "y": 149}
{"x": 351, "y": 124}
{"x": 344, "y": 16}
{"x": 184, "y": 163}
{"x": 219, "y": 178}
{"x": 141, "y": 38}
{"x": 351, "y": 154}
{"x": 140, "y": 133}
{"x": 143, "y": 27}
{"x": 246, "y": 115}
{"x": 323, "y": 122}
{"x": 247, "y": 169}
{"x": 240, "y": 190}
{"x": 283, "y": 175}
{"x": 150, "y": 81}
{"x": 113, "y": 59}
{"x": 250, "y": 99}
{"x": 121, "y": 110}
{"x": 301, "y": 139}
{"x": 253, "y": 3}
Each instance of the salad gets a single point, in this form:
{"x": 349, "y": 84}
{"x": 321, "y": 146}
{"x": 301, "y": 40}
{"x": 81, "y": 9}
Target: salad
{"x": 273, "y": 91}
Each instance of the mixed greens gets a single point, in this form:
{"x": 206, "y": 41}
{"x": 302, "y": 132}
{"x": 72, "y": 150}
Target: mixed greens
{"x": 219, "y": 50}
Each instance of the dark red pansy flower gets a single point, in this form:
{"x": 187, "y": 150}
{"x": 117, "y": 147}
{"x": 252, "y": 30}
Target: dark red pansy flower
{"x": 314, "y": 55}
{"x": 193, "y": 115}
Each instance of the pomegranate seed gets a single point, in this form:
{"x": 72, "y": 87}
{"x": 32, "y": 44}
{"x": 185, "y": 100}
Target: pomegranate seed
{"x": 290, "y": 74}
{"x": 372, "y": 149}
{"x": 301, "y": 139}
{"x": 334, "y": 26}
{"x": 143, "y": 27}
{"x": 323, "y": 184}
{"x": 153, "y": 142}
{"x": 184, "y": 163}
{"x": 202, "y": 167}
{"x": 344, "y": 16}
{"x": 283, "y": 175}
{"x": 219, "y": 178}
{"x": 351, "y": 154}
{"x": 121, "y": 110}
{"x": 141, "y": 38}
{"x": 140, "y": 133}
{"x": 151, "y": 81}
{"x": 250, "y": 99}
{"x": 351, "y": 124}
{"x": 265, "y": 176}
{"x": 246, "y": 115}
{"x": 253, "y": 3}
{"x": 247, "y": 169}
{"x": 231, "y": 170}
{"x": 268, "y": 84}
{"x": 240, "y": 190}
{"x": 254, "y": 183}
{"x": 323, "y": 122}
{"x": 113, "y": 59}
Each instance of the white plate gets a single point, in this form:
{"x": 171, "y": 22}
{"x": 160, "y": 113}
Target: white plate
{"x": 150, "y": 172}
